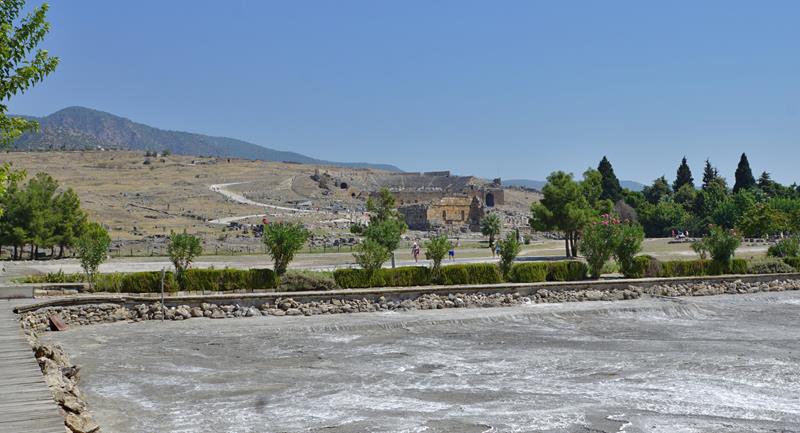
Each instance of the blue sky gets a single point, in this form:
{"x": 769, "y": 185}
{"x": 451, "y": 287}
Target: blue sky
{"x": 510, "y": 88}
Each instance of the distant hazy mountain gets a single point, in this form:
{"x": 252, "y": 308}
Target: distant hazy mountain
{"x": 631, "y": 185}
{"x": 538, "y": 184}
{"x": 84, "y": 128}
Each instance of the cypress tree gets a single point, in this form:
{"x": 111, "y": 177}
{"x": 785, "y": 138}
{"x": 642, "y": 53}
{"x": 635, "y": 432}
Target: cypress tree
{"x": 744, "y": 176}
{"x": 684, "y": 176}
{"x": 611, "y": 188}
{"x": 709, "y": 174}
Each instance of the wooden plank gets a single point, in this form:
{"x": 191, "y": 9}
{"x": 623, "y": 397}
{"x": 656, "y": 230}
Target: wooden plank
{"x": 56, "y": 323}
{"x": 26, "y": 403}
{"x": 20, "y": 379}
{"x": 33, "y": 426}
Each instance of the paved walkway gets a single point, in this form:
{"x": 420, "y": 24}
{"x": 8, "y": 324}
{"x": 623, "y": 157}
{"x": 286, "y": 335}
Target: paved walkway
{"x": 26, "y": 404}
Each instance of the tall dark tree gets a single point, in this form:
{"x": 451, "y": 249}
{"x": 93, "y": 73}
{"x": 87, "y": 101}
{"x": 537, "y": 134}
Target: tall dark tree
{"x": 710, "y": 173}
{"x": 611, "y": 188}
{"x": 744, "y": 176}
{"x": 683, "y": 177}
{"x": 765, "y": 180}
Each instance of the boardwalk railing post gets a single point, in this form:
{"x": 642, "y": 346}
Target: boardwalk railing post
{"x": 163, "y": 310}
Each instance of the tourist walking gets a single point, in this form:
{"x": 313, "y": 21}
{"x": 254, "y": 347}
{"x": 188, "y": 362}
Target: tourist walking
{"x": 415, "y": 252}
{"x": 452, "y": 252}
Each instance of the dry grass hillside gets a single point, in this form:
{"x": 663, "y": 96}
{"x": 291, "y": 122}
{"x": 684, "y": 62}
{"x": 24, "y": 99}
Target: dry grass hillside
{"x": 135, "y": 198}
{"x": 143, "y": 198}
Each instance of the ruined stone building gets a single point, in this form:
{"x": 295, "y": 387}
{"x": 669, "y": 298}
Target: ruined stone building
{"x": 455, "y": 212}
{"x": 427, "y": 200}
{"x": 434, "y": 200}
{"x": 414, "y": 188}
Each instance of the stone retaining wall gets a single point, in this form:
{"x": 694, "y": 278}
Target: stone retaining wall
{"x": 62, "y": 378}
{"x": 38, "y": 320}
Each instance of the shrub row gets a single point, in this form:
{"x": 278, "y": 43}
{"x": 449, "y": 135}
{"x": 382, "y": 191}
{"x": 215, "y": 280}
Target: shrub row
{"x": 548, "y": 271}
{"x": 695, "y": 268}
{"x": 477, "y": 273}
{"x": 793, "y": 262}
{"x": 769, "y": 265}
{"x": 211, "y": 280}
{"x": 296, "y": 280}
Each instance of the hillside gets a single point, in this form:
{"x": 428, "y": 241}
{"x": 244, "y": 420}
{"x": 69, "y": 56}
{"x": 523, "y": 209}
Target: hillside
{"x": 78, "y": 128}
{"x": 142, "y": 199}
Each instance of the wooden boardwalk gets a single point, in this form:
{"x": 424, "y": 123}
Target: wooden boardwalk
{"x": 26, "y": 404}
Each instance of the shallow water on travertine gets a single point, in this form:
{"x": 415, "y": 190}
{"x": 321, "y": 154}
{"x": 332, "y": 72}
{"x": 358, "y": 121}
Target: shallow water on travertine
{"x": 712, "y": 364}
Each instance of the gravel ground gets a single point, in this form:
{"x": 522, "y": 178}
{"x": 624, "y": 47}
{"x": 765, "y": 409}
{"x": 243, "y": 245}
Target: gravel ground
{"x": 713, "y": 364}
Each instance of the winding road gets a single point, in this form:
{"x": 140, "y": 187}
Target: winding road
{"x": 221, "y": 188}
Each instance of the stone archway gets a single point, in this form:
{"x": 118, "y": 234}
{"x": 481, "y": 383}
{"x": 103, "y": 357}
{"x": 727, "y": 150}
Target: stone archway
{"x": 489, "y": 199}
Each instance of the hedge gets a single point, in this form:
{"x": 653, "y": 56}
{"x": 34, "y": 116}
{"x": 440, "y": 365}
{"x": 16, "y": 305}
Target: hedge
{"x": 296, "y": 280}
{"x": 793, "y": 262}
{"x": 477, "y": 273}
{"x": 769, "y": 265}
{"x": 397, "y": 277}
{"x": 644, "y": 266}
{"x": 694, "y": 268}
{"x": 571, "y": 270}
{"x": 211, "y": 280}
{"x": 474, "y": 273}
{"x": 528, "y": 272}
{"x": 548, "y": 271}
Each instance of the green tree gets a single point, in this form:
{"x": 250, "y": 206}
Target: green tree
{"x": 706, "y": 200}
{"x": 721, "y": 245}
{"x": 628, "y": 244}
{"x": 563, "y": 208}
{"x": 16, "y": 217}
{"x": 611, "y": 188}
{"x": 92, "y": 249}
{"x": 490, "y": 226}
{"x": 661, "y": 219}
{"x": 659, "y": 190}
{"x": 41, "y": 196}
{"x": 634, "y": 198}
{"x": 22, "y": 65}
{"x": 685, "y": 196}
{"x": 13, "y": 218}
{"x": 509, "y": 250}
{"x": 283, "y": 241}
{"x": 725, "y": 214}
{"x": 371, "y": 255}
{"x": 772, "y": 189}
{"x": 70, "y": 221}
{"x": 386, "y": 225}
{"x": 600, "y": 239}
{"x": 744, "y": 175}
{"x": 710, "y": 173}
{"x": 763, "y": 220}
{"x": 182, "y": 249}
{"x": 37, "y": 215}
{"x": 787, "y": 247}
{"x": 592, "y": 189}
{"x": 435, "y": 250}
{"x": 683, "y": 176}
